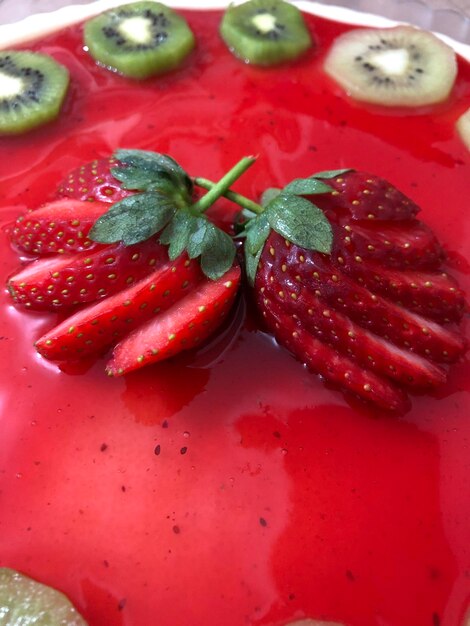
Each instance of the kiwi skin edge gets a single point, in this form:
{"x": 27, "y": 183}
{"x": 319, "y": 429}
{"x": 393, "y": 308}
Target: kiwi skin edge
{"x": 427, "y": 77}
{"x": 44, "y": 85}
{"x": 118, "y": 54}
{"x": 289, "y": 39}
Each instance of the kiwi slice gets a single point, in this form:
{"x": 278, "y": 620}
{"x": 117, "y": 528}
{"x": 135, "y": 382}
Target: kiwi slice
{"x": 265, "y": 32}
{"x": 32, "y": 90}
{"x": 24, "y": 602}
{"x": 139, "y": 40}
{"x": 463, "y": 127}
{"x": 400, "y": 66}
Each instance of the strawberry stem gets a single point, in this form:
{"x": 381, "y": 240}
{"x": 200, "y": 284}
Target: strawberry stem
{"x": 242, "y": 201}
{"x": 222, "y": 186}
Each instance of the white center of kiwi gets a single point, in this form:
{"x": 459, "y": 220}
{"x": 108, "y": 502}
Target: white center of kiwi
{"x": 138, "y": 29}
{"x": 10, "y": 86}
{"x": 392, "y": 62}
{"x": 264, "y": 22}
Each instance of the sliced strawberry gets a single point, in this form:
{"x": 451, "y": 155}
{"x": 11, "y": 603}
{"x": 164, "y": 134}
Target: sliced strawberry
{"x": 346, "y": 323}
{"x": 183, "y": 326}
{"x": 93, "y": 182}
{"x": 58, "y": 227}
{"x": 382, "y": 316}
{"x": 101, "y": 324}
{"x": 357, "y": 343}
{"x": 366, "y": 197}
{"x": 66, "y": 280}
{"x": 433, "y": 295}
{"x": 326, "y": 361}
{"x": 410, "y": 245}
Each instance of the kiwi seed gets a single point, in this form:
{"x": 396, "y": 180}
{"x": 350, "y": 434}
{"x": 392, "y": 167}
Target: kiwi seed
{"x": 140, "y": 39}
{"x": 32, "y": 89}
{"x": 401, "y": 66}
{"x": 265, "y": 32}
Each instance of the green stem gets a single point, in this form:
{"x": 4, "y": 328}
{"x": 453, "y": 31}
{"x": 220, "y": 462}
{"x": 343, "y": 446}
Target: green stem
{"x": 222, "y": 186}
{"x": 242, "y": 201}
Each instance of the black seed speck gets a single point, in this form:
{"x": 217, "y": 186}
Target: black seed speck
{"x": 104, "y": 447}
{"x": 350, "y": 576}
{"x": 183, "y": 450}
{"x": 157, "y": 449}
{"x": 277, "y": 434}
{"x": 122, "y": 604}
{"x": 123, "y": 488}
{"x": 165, "y": 424}
{"x": 436, "y": 620}
{"x": 292, "y": 596}
{"x": 176, "y": 530}
{"x": 263, "y": 522}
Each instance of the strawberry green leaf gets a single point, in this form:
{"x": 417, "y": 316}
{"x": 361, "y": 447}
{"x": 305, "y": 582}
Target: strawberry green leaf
{"x": 195, "y": 245}
{"x": 306, "y": 186}
{"x": 218, "y": 254}
{"x": 251, "y": 265}
{"x": 177, "y": 233}
{"x": 144, "y": 170}
{"x": 301, "y": 222}
{"x": 331, "y": 173}
{"x": 257, "y": 231}
{"x": 134, "y": 219}
{"x": 269, "y": 194}
{"x": 214, "y": 246}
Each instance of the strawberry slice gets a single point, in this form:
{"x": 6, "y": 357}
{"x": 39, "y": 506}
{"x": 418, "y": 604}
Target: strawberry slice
{"x": 183, "y": 326}
{"x": 326, "y": 361}
{"x": 58, "y": 227}
{"x": 93, "y": 182}
{"x": 355, "y": 342}
{"x": 365, "y": 196}
{"x": 323, "y": 276}
{"x": 395, "y": 245}
{"x": 101, "y": 324}
{"x": 434, "y": 295}
{"x": 66, "y": 280}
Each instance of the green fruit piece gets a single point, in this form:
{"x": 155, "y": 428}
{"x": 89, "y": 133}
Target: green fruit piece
{"x": 32, "y": 90}
{"x": 265, "y": 32}
{"x": 139, "y": 40}
{"x": 463, "y": 127}
{"x": 25, "y": 602}
{"x": 401, "y": 66}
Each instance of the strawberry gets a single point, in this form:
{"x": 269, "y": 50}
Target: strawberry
{"x": 324, "y": 277}
{"x": 103, "y": 323}
{"x": 183, "y": 326}
{"x": 93, "y": 182}
{"x": 434, "y": 295}
{"x": 57, "y": 227}
{"x": 157, "y": 299}
{"x": 353, "y": 286}
{"x": 63, "y": 281}
{"x": 367, "y": 197}
{"x": 334, "y": 366}
{"x": 398, "y": 245}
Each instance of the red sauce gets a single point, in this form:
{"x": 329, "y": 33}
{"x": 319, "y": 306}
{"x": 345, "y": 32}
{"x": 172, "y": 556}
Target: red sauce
{"x": 230, "y": 486}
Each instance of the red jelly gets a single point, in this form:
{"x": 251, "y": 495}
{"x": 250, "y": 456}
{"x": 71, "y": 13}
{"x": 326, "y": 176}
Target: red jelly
{"x": 230, "y": 485}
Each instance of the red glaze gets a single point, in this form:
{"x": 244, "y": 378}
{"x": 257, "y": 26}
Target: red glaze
{"x": 230, "y": 486}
